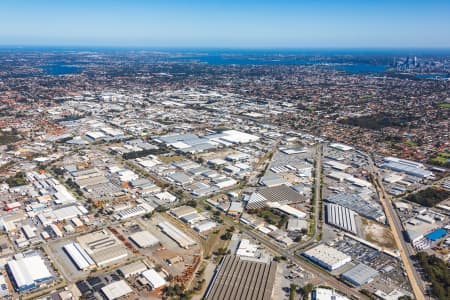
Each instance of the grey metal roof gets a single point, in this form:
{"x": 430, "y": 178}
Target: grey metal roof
{"x": 281, "y": 193}
{"x": 360, "y": 274}
{"x": 240, "y": 279}
{"x": 410, "y": 170}
{"x": 357, "y": 204}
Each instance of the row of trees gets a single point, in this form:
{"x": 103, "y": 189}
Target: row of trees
{"x": 178, "y": 291}
{"x": 17, "y": 180}
{"x": 429, "y": 197}
{"x": 438, "y": 273}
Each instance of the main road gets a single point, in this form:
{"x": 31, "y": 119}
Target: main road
{"x": 397, "y": 229}
{"x": 317, "y": 198}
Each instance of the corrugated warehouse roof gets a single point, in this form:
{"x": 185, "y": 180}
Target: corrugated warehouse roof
{"x": 360, "y": 274}
{"x": 177, "y": 235}
{"x": 27, "y": 271}
{"x": 144, "y": 239}
{"x": 240, "y": 279}
{"x": 155, "y": 280}
{"x": 116, "y": 290}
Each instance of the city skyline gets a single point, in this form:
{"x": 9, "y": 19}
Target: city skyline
{"x": 234, "y": 24}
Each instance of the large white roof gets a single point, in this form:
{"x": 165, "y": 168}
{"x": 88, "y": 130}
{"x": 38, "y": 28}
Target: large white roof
{"x": 328, "y": 294}
{"x": 238, "y": 137}
{"x": 144, "y": 239}
{"x": 79, "y": 256}
{"x": 328, "y": 255}
{"x": 155, "y": 280}
{"x": 116, "y": 289}
{"x": 28, "y": 270}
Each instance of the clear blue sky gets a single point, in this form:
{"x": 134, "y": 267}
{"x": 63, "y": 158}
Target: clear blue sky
{"x": 227, "y": 23}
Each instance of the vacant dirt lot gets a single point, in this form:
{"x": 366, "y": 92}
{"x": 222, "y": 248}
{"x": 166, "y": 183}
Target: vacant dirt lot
{"x": 379, "y": 235}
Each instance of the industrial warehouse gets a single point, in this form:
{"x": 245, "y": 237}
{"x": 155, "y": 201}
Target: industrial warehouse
{"x": 177, "y": 235}
{"x": 144, "y": 239}
{"x": 237, "y": 278}
{"x": 356, "y": 203}
{"x": 79, "y": 256}
{"x": 406, "y": 166}
{"x": 28, "y": 272}
{"x": 327, "y": 257}
{"x": 341, "y": 217}
{"x": 360, "y": 274}
{"x": 101, "y": 246}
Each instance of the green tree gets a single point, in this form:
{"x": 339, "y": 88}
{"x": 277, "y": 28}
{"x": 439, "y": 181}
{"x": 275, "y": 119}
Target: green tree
{"x": 306, "y": 290}
{"x": 226, "y": 236}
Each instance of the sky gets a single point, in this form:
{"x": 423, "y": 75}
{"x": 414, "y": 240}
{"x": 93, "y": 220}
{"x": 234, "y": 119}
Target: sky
{"x": 227, "y": 23}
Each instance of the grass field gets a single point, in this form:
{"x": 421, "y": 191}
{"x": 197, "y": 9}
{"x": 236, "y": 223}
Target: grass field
{"x": 411, "y": 143}
{"x": 442, "y": 159}
{"x": 444, "y": 105}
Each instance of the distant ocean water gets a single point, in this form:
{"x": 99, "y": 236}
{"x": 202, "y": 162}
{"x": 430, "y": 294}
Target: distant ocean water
{"x": 60, "y": 69}
{"x": 242, "y": 60}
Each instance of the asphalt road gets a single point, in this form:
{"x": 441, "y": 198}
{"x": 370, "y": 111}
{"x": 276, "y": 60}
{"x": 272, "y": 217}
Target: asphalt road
{"x": 397, "y": 231}
{"x": 317, "y": 200}
{"x": 324, "y": 276}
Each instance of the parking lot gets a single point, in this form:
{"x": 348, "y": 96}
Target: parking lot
{"x": 390, "y": 268}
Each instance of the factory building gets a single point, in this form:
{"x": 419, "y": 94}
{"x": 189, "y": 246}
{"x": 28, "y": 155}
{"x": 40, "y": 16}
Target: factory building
{"x": 103, "y": 247}
{"x": 205, "y": 226}
{"x": 79, "y": 256}
{"x": 255, "y": 201}
{"x": 336, "y": 165}
{"x": 132, "y": 212}
{"x": 61, "y": 214}
{"x": 356, "y": 203}
{"x": 193, "y": 218}
{"x": 144, "y": 239}
{"x": 327, "y": 294}
{"x": 30, "y": 232}
{"x": 116, "y": 290}
{"x": 12, "y": 206}
{"x": 235, "y": 208}
{"x": 341, "y": 217}
{"x": 177, "y": 235}
{"x": 154, "y": 279}
{"x": 28, "y": 272}
{"x": 341, "y": 147}
{"x": 246, "y": 248}
{"x": 406, "y": 166}
{"x": 360, "y": 274}
{"x": 295, "y": 224}
{"x": 55, "y": 229}
{"x": 182, "y": 211}
{"x": 327, "y": 257}
{"x": 287, "y": 209}
{"x": 230, "y": 282}
{"x": 132, "y": 269}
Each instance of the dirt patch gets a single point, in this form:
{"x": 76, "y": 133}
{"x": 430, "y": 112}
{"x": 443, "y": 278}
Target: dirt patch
{"x": 379, "y": 235}
{"x": 169, "y": 159}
